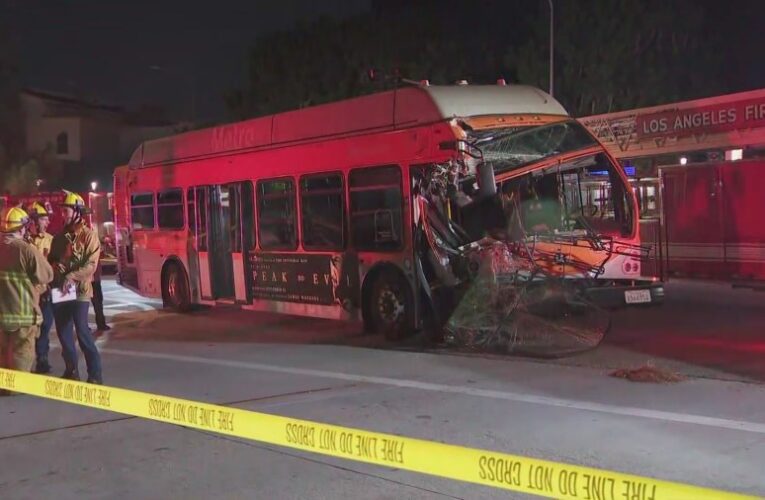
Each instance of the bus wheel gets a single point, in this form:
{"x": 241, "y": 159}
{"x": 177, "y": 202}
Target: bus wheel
{"x": 391, "y": 306}
{"x": 175, "y": 288}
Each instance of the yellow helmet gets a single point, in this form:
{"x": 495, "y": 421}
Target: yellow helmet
{"x": 38, "y": 210}
{"x": 13, "y": 219}
{"x": 73, "y": 200}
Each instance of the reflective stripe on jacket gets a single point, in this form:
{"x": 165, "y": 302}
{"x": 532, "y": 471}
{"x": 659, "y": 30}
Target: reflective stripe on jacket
{"x": 22, "y": 269}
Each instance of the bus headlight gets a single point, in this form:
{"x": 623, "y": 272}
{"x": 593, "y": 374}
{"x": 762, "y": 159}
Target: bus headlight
{"x": 631, "y": 266}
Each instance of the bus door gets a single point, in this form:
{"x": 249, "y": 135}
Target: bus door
{"x": 199, "y": 254}
{"x": 221, "y": 269}
{"x": 222, "y": 240}
{"x": 239, "y": 220}
{"x": 212, "y": 244}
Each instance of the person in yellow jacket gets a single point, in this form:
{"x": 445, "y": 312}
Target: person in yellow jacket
{"x": 23, "y": 271}
{"x": 74, "y": 256}
{"x": 42, "y": 240}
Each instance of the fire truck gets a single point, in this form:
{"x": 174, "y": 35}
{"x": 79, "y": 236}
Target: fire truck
{"x": 699, "y": 176}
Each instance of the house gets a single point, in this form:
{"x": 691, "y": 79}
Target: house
{"x": 88, "y": 138}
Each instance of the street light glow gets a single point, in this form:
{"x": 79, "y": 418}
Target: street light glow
{"x": 93, "y": 185}
{"x": 683, "y": 160}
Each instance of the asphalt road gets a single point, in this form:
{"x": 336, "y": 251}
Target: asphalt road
{"x": 707, "y": 430}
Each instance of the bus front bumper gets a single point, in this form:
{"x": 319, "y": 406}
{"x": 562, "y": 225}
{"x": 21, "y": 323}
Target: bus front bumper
{"x": 618, "y": 295}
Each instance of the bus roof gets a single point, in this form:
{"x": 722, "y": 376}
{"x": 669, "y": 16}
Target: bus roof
{"x": 394, "y": 109}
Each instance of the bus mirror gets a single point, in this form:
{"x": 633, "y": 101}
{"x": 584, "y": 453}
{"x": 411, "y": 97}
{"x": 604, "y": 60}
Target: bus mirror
{"x": 487, "y": 185}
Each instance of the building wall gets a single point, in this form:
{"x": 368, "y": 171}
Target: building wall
{"x": 96, "y": 138}
{"x": 62, "y": 135}
{"x": 100, "y": 141}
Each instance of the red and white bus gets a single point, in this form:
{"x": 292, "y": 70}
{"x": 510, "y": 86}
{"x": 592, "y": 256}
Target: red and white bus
{"x": 316, "y": 212}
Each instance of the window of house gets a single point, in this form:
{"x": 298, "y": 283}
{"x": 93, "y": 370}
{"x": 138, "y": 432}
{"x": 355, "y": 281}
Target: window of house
{"x": 62, "y": 143}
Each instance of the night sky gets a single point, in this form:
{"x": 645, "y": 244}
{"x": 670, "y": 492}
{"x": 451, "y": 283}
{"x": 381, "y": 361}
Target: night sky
{"x": 106, "y": 48}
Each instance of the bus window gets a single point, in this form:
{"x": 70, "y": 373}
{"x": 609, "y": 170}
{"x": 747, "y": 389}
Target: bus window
{"x": 234, "y": 217}
{"x": 191, "y": 212}
{"x": 322, "y": 212}
{"x": 142, "y": 210}
{"x": 376, "y": 208}
{"x": 276, "y": 215}
{"x": 248, "y": 215}
{"x": 170, "y": 209}
{"x": 202, "y": 197}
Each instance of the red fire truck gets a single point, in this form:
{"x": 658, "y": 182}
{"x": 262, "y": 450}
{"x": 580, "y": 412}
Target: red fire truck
{"x": 713, "y": 222}
{"x": 702, "y": 175}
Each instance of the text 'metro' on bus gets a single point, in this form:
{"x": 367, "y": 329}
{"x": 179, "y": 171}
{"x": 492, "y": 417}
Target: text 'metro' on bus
{"x": 335, "y": 210}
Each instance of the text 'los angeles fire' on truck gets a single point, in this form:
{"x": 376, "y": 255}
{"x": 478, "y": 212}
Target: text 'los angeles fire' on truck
{"x": 360, "y": 209}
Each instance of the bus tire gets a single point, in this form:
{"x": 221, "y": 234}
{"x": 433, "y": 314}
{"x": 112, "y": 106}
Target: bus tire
{"x": 390, "y": 306}
{"x": 175, "y": 288}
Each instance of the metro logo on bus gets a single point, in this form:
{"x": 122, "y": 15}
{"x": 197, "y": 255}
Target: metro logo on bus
{"x": 708, "y": 119}
{"x": 232, "y": 137}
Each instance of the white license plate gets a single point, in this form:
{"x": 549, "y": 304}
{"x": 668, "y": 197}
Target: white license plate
{"x": 637, "y": 296}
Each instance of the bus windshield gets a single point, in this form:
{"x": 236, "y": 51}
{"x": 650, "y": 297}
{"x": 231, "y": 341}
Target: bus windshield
{"x": 511, "y": 148}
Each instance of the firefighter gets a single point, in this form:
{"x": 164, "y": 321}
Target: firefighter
{"x": 23, "y": 270}
{"x": 98, "y": 295}
{"x": 41, "y": 239}
{"x": 74, "y": 255}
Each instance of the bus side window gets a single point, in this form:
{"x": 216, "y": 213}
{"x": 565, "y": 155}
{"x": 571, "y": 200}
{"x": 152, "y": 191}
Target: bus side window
{"x": 202, "y": 220}
{"x": 248, "y": 215}
{"x": 376, "y": 213}
{"x": 234, "y": 217}
{"x": 191, "y": 212}
{"x": 142, "y": 210}
{"x": 322, "y": 212}
{"x": 170, "y": 209}
{"x": 277, "y": 227}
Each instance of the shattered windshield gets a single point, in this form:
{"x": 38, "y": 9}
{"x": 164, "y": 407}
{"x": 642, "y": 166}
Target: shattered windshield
{"x": 508, "y": 149}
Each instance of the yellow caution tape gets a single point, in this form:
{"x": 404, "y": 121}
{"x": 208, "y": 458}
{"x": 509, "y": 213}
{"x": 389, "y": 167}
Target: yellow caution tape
{"x": 501, "y": 470}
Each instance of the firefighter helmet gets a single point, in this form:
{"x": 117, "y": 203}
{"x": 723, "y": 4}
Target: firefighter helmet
{"x": 38, "y": 210}
{"x": 73, "y": 200}
{"x": 13, "y": 219}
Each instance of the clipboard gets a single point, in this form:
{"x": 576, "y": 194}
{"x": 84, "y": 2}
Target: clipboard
{"x": 57, "y": 296}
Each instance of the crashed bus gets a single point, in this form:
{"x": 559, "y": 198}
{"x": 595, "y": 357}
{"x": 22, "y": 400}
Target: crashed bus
{"x": 380, "y": 208}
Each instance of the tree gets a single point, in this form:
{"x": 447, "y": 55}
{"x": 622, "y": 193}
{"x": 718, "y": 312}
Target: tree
{"x": 21, "y": 178}
{"x": 621, "y": 54}
{"x": 19, "y": 169}
{"x": 441, "y": 41}
{"x": 609, "y": 54}
{"x": 11, "y": 138}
